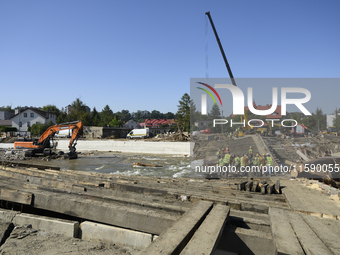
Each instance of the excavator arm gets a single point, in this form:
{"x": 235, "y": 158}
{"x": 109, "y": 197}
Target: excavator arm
{"x": 75, "y": 126}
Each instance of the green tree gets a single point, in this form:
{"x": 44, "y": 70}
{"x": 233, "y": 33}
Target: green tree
{"x": 38, "y": 129}
{"x": 106, "y": 115}
{"x": 215, "y": 112}
{"x": 124, "y": 115}
{"x": 62, "y": 118}
{"x": 156, "y": 115}
{"x": 115, "y": 122}
{"x": 169, "y": 115}
{"x": 183, "y": 113}
{"x": 52, "y": 109}
{"x": 7, "y": 108}
{"x": 320, "y": 119}
{"x": 95, "y": 117}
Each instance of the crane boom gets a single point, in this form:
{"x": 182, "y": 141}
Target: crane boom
{"x": 221, "y": 49}
{"x": 226, "y": 61}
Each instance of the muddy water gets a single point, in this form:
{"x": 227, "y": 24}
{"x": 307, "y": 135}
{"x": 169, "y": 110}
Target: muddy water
{"x": 122, "y": 164}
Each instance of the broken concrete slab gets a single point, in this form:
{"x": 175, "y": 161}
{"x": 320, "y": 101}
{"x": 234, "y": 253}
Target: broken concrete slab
{"x": 91, "y": 231}
{"x": 52, "y": 225}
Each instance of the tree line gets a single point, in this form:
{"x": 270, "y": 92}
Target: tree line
{"x": 186, "y": 116}
{"x": 106, "y": 117}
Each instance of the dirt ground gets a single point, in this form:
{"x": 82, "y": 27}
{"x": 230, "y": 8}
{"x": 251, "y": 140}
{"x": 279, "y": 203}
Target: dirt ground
{"x": 25, "y": 240}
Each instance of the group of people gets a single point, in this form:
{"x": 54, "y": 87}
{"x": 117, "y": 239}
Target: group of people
{"x": 243, "y": 163}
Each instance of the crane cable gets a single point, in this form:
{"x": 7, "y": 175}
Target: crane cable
{"x": 206, "y": 47}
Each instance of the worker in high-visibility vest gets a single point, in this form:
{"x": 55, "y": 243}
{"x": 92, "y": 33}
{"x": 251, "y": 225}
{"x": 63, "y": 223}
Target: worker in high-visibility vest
{"x": 220, "y": 162}
{"x": 250, "y": 153}
{"x": 226, "y": 160}
{"x": 218, "y": 154}
{"x": 244, "y": 163}
{"x": 256, "y": 163}
{"x": 269, "y": 164}
{"x": 237, "y": 162}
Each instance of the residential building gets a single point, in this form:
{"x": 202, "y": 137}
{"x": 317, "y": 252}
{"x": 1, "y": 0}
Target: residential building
{"x": 131, "y": 124}
{"x": 26, "y": 118}
{"x": 156, "y": 123}
{"x": 6, "y": 115}
{"x": 6, "y": 123}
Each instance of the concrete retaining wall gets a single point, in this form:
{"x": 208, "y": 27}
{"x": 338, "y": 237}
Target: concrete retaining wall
{"x": 130, "y": 146}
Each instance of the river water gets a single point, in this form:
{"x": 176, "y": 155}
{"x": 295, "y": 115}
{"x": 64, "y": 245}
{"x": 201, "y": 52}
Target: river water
{"x": 122, "y": 164}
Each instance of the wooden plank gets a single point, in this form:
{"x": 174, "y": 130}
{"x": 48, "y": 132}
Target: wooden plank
{"x": 283, "y": 235}
{"x": 207, "y": 236}
{"x": 327, "y": 230}
{"x": 249, "y": 185}
{"x": 16, "y": 196}
{"x": 310, "y": 242}
{"x": 241, "y": 186}
{"x": 264, "y": 189}
{"x": 174, "y": 239}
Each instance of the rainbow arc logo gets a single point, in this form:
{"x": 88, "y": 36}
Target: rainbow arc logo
{"x": 209, "y": 93}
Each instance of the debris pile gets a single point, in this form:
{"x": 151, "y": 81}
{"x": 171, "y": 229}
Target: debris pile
{"x": 110, "y": 137}
{"x": 10, "y": 154}
{"x": 16, "y": 155}
{"x": 314, "y": 147}
{"x": 174, "y": 136}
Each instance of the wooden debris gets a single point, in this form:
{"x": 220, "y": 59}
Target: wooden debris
{"x": 149, "y": 165}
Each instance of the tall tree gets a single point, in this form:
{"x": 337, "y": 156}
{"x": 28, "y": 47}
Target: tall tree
{"x": 183, "y": 113}
{"x": 215, "y": 112}
{"x": 106, "y": 116}
{"x": 95, "y": 117}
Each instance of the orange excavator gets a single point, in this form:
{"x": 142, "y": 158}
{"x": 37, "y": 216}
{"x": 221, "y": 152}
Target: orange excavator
{"x": 45, "y": 143}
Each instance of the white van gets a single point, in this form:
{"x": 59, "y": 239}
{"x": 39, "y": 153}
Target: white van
{"x": 138, "y": 133}
{"x": 65, "y": 133}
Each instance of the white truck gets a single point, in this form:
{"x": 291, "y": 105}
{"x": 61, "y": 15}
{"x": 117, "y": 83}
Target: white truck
{"x": 138, "y": 133}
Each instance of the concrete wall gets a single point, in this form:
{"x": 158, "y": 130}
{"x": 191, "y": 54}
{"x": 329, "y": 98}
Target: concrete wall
{"x": 92, "y": 132}
{"x": 130, "y": 146}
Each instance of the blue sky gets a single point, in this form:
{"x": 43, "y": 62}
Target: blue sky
{"x": 140, "y": 55}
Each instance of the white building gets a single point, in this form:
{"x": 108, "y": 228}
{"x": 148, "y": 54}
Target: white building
{"x": 330, "y": 119}
{"x": 26, "y": 118}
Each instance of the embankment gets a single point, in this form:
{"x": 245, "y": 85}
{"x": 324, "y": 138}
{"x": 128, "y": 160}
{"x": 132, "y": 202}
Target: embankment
{"x": 128, "y": 146}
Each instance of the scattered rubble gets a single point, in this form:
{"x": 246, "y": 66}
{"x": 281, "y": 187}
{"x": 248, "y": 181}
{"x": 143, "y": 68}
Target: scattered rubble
{"x": 174, "y": 136}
